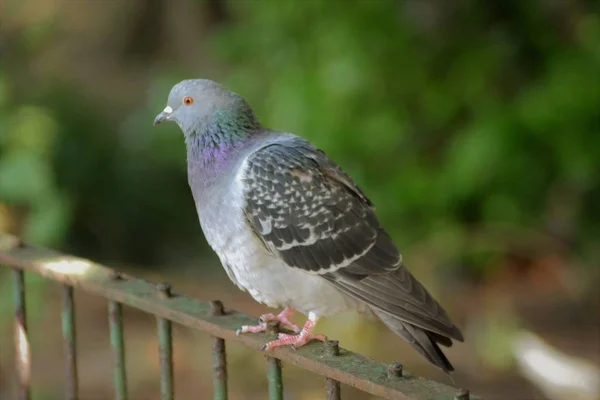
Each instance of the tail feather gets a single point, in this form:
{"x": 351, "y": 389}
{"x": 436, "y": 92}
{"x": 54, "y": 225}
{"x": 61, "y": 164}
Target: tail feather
{"x": 425, "y": 342}
{"x": 440, "y": 339}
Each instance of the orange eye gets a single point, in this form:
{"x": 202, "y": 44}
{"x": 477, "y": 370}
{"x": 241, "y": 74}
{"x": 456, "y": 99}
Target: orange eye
{"x": 188, "y": 100}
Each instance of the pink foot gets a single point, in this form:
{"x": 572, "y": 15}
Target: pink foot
{"x": 295, "y": 340}
{"x": 298, "y": 340}
{"x": 283, "y": 318}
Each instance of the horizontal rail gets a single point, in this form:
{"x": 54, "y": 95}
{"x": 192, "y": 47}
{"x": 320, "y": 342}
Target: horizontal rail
{"x": 344, "y": 366}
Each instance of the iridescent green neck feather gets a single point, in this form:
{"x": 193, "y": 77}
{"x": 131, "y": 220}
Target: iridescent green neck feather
{"x": 216, "y": 136}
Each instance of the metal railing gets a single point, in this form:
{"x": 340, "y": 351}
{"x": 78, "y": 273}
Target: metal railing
{"x": 337, "y": 365}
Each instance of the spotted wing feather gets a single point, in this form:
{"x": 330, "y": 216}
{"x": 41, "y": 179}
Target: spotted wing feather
{"x": 310, "y": 219}
{"x": 309, "y": 213}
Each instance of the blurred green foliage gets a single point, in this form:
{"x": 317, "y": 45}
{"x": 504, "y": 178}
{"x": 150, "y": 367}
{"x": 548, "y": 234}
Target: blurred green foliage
{"x": 491, "y": 116}
{"x": 454, "y": 117}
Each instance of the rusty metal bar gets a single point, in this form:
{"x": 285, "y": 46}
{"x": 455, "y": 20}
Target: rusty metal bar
{"x": 165, "y": 350}
{"x": 332, "y": 387}
{"x": 165, "y": 347}
{"x": 274, "y": 378}
{"x": 115, "y": 318}
{"x": 69, "y": 336}
{"x": 219, "y": 369}
{"x": 23, "y": 351}
{"x": 333, "y": 390}
{"x": 348, "y": 368}
{"x": 219, "y": 358}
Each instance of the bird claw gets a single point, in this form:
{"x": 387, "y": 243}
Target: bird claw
{"x": 299, "y": 339}
{"x": 263, "y": 320}
{"x": 295, "y": 341}
{"x": 251, "y": 329}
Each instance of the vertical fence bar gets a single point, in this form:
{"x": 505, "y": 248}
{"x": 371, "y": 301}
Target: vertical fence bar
{"x": 69, "y": 336}
{"x": 23, "y": 355}
{"x": 274, "y": 378}
{"x": 219, "y": 359}
{"x": 333, "y": 389}
{"x": 115, "y": 316}
{"x": 165, "y": 349}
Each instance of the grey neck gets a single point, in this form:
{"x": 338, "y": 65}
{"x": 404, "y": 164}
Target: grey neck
{"x": 214, "y": 145}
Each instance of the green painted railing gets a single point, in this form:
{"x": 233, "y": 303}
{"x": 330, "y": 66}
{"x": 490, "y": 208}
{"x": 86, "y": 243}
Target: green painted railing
{"x": 337, "y": 365}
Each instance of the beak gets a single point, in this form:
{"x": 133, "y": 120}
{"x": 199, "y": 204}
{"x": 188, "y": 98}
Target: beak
{"x": 163, "y": 116}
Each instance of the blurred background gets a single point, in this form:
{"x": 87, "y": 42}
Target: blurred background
{"x": 473, "y": 126}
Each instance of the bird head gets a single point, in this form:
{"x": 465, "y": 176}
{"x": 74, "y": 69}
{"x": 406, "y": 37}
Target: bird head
{"x": 195, "y": 104}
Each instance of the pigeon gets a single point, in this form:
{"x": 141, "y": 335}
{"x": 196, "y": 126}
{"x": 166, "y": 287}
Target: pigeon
{"x": 292, "y": 229}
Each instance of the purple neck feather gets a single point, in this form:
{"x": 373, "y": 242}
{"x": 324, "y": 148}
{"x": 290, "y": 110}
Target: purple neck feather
{"x": 214, "y": 144}
{"x": 211, "y": 151}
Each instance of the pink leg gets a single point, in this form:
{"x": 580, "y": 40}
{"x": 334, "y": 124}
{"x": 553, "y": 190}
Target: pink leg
{"x": 300, "y": 339}
{"x": 283, "y": 318}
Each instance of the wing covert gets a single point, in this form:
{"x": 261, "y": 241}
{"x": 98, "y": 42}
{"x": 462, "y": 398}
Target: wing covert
{"x": 311, "y": 214}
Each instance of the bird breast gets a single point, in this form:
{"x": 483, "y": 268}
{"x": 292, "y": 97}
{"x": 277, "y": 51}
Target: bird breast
{"x": 250, "y": 266}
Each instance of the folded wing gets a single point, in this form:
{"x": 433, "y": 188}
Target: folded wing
{"x": 309, "y": 213}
